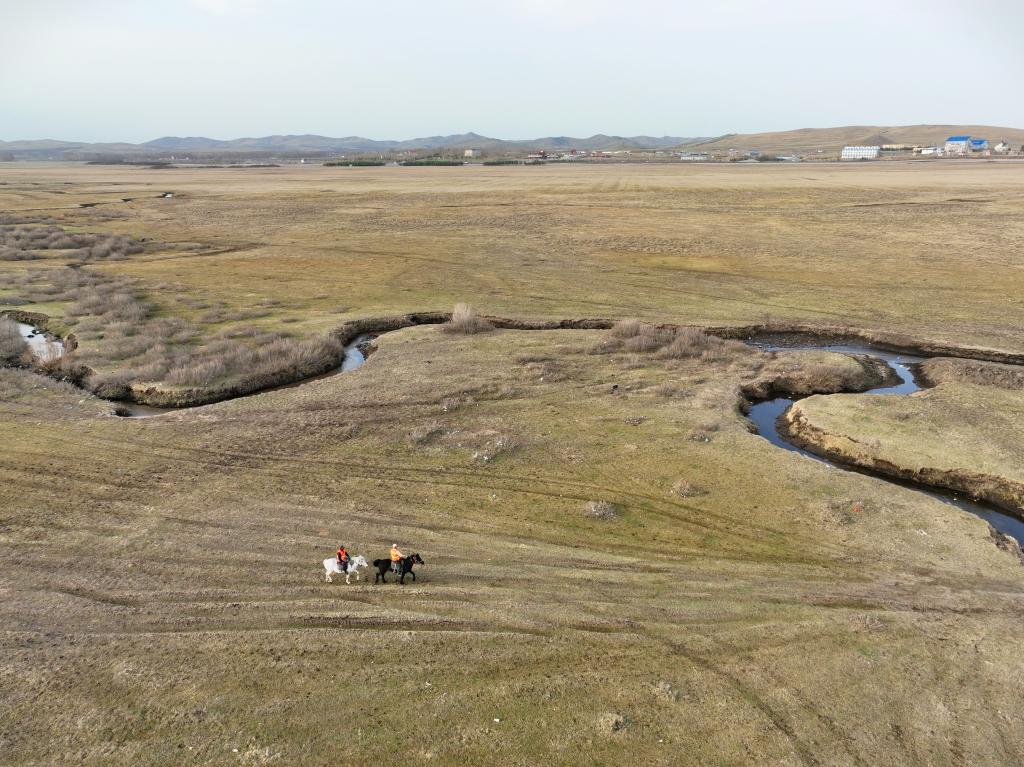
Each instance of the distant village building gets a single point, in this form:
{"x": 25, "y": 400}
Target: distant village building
{"x": 1002, "y": 147}
{"x": 860, "y": 153}
{"x": 958, "y": 145}
{"x": 471, "y": 153}
{"x": 928, "y": 150}
{"x": 979, "y": 144}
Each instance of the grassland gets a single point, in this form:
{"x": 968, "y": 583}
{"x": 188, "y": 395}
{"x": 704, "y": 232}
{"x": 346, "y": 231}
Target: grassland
{"x": 738, "y": 604}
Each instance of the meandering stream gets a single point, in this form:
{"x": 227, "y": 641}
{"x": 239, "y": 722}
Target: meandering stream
{"x": 765, "y": 416}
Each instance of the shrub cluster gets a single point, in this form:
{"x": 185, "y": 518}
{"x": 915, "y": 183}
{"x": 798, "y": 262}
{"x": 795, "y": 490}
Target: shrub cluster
{"x": 20, "y": 242}
{"x": 118, "y": 331}
{"x": 632, "y": 335}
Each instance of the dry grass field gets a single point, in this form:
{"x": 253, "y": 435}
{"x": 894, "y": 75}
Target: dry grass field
{"x": 616, "y": 567}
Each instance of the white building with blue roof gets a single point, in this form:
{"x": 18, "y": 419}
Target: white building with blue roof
{"x": 958, "y": 145}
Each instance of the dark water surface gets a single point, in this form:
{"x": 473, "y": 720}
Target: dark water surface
{"x": 765, "y": 416}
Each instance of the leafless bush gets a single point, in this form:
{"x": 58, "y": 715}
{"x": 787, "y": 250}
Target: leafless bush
{"x": 688, "y": 342}
{"x": 686, "y": 489}
{"x": 647, "y": 339}
{"x": 424, "y": 435}
{"x": 604, "y": 346}
{"x": 603, "y": 510}
{"x": 222, "y": 360}
{"x": 13, "y": 348}
{"x": 626, "y": 328}
{"x": 14, "y": 254}
{"x": 465, "y": 320}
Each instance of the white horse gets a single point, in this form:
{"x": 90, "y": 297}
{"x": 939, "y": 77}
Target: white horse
{"x": 331, "y": 567}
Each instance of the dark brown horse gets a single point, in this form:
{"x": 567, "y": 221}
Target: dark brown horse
{"x": 404, "y": 568}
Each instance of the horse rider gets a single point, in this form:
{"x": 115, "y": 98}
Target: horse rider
{"x": 343, "y": 559}
{"x": 396, "y": 558}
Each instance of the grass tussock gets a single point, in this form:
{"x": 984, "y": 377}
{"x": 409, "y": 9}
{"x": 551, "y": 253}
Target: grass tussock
{"x": 465, "y": 320}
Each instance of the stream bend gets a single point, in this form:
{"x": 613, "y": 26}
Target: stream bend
{"x": 766, "y": 414}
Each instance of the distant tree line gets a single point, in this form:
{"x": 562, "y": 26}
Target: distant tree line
{"x": 433, "y": 161}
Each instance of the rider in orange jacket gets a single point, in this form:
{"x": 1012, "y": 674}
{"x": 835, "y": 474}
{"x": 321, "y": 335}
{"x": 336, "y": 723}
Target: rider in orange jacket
{"x": 396, "y": 557}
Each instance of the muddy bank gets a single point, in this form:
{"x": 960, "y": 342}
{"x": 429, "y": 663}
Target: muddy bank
{"x": 952, "y": 370}
{"x": 888, "y": 341}
{"x": 1001, "y": 492}
{"x": 873, "y": 373}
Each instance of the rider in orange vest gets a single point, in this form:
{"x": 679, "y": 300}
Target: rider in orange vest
{"x": 396, "y": 557}
{"x": 343, "y": 559}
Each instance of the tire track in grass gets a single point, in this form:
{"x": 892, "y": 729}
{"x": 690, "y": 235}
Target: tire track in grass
{"x": 555, "y": 489}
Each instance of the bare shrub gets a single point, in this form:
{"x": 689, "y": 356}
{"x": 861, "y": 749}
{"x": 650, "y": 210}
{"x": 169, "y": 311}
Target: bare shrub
{"x": 634, "y": 362}
{"x": 604, "y": 346}
{"x": 648, "y": 339}
{"x": 686, "y": 489}
{"x": 499, "y": 444}
{"x": 62, "y": 367}
{"x": 603, "y": 510}
{"x": 116, "y": 385}
{"x": 688, "y": 342}
{"x": 611, "y": 723}
{"x": 13, "y": 348}
{"x": 281, "y": 358}
{"x": 465, "y": 320}
{"x": 626, "y": 328}
{"x": 424, "y": 435}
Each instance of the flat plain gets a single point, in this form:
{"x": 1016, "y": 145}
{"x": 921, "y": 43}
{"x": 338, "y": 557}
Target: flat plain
{"x": 616, "y": 567}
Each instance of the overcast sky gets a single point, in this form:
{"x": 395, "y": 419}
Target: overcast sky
{"x": 110, "y": 70}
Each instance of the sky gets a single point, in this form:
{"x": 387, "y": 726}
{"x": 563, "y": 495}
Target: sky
{"x": 115, "y": 70}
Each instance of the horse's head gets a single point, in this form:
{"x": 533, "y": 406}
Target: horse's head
{"x": 359, "y": 561}
{"x": 416, "y": 559}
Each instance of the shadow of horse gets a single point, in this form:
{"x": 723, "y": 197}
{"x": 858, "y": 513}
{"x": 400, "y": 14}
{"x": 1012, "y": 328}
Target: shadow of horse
{"x": 404, "y": 568}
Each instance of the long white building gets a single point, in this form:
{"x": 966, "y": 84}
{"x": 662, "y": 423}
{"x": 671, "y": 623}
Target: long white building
{"x": 860, "y": 153}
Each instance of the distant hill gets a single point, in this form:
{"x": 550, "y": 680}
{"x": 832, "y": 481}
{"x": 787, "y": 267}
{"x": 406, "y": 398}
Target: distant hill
{"x": 805, "y": 140}
{"x": 322, "y": 145}
{"x": 834, "y": 139}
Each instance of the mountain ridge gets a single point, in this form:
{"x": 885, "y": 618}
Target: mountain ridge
{"x": 316, "y": 144}
{"x": 798, "y": 140}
